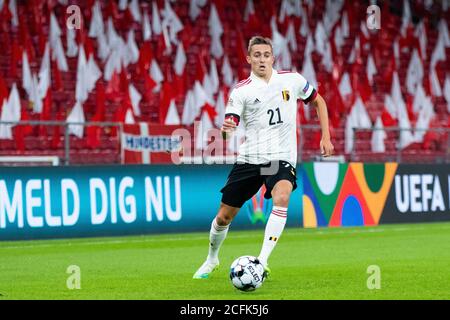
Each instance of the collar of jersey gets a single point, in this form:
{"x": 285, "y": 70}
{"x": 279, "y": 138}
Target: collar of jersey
{"x": 256, "y": 78}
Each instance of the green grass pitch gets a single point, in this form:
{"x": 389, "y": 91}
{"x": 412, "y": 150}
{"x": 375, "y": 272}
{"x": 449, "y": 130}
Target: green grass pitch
{"x": 324, "y": 263}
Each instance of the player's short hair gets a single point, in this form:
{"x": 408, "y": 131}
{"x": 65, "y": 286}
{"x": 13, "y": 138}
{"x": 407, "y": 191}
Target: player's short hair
{"x": 259, "y": 40}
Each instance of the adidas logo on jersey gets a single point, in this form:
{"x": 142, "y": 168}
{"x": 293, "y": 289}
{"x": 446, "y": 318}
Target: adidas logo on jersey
{"x": 256, "y": 101}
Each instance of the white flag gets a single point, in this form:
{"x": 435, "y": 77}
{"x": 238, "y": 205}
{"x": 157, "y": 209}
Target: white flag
{"x": 146, "y": 27}
{"x": 290, "y": 37}
{"x": 11, "y": 111}
{"x": 194, "y": 8}
{"x": 214, "y": 76}
{"x": 215, "y": 31}
{"x": 308, "y": 71}
{"x": 447, "y": 91}
{"x": 97, "y": 26}
{"x": 92, "y": 73}
{"x": 201, "y": 139}
{"x": 345, "y": 87}
{"x": 135, "y": 98}
{"x": 129, "y": 117}
{"x": 156, "y": 20}
{"x": 443, "y": 32}
{"x": 26, "y": 73}
{"x": 406, "y": 19}
{"x": 132, "y": 50}
{"x": 358, "y": 118}
{"x": 13, "y": 10}
{"x": 135, "y": 10}
{"x": 180, "y": 60}
{"x": 76, "y": 115}
{"x": 172, "y": 117}
{"x": 421, "y": 34}
{"x": 249, "y": 10}
{"x": 188, "y": 116}
{"x": 172, "y": 22}
{"x": 220, "y": 110}
{"x": 344, "y": 26}
{"x": 227, "y": 72}
{"x": 156, "y": 74}
{"x": 338, "y": 39}
{"x": 426, "y": 113}
{"x": 81, "y": 91}
{"x": 414, "y": 74}
{"x": 371, "y": 69}
{"x": 72, "y": 47}
{"x": 200, "y": 97}
{"x": 44, "y": 75}
{"x": 304, "y": 27}
{"x": 123, "y": 4}
{"x": 378, "y": 137}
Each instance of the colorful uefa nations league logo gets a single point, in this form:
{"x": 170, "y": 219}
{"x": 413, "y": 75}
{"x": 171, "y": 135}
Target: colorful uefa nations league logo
{"x": 345, "y": 194}
{"x": 258, "y": 208}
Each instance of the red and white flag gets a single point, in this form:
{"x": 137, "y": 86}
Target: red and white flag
{"x": 148, "y": 143}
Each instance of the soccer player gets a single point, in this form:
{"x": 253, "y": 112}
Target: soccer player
{"x": 266, "y": 103}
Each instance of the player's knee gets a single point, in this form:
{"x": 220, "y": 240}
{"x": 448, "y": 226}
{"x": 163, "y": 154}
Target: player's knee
{"x": 223, "y": 219}
{"x": 281, "y": 199}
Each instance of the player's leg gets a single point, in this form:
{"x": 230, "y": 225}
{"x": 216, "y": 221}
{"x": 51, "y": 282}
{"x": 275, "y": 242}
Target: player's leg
{"x": 277, "y": 219}
{"x": 217, "y": 234}
{"x": 243, "y": 182}
{"x": 279, "y": 187}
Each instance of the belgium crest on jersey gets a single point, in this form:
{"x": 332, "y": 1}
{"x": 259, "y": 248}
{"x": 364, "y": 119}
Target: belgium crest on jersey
{"x": 285, "y": 94}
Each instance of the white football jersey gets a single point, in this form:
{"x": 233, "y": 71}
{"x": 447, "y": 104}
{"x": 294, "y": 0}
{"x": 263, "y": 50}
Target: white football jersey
{"x": 268, "y": 111}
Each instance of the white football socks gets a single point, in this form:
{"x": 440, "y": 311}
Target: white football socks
{"x": 274, "y": 228}
{"x": 216, "y": 237}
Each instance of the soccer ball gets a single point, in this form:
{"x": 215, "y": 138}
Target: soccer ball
{"x": 247, "y": 273}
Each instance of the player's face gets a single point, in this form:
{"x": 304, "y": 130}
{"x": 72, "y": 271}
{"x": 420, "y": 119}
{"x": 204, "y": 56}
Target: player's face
{"x": 261, "y": 59}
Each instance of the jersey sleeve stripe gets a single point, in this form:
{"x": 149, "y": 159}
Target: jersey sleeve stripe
{"x": 311, "y": 97}
{"x": 243, "y": 84}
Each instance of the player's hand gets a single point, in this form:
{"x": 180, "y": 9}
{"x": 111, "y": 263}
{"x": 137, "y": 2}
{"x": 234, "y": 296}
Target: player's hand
{"x": 326, "y": 147}
{"x": 227, "y": 128}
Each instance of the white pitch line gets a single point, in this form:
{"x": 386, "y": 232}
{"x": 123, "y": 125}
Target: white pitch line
{"x": 328, "y": 231}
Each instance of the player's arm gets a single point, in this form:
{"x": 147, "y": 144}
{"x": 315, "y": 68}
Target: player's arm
{"x": 233, "y": 111}
{"x": 326, "y": 147}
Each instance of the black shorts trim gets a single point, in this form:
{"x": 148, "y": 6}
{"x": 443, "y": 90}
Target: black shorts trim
{"x": 246, "y": 179}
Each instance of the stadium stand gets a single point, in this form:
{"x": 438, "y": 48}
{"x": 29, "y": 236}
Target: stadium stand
{"x": 129, "y": 61}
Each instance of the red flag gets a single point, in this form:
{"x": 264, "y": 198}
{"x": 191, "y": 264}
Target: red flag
{"x": 145, "y": 58}
{"x": 46, "y": 111}
{"x": 242, "y": 55}
{"x": 93, "y": 133}
{"x": 3, "y": 91}
{"x": 167, "y": 95}
{"x": 56, "y": 137}
{"x": 113, "y": 88}
{"x": 56, "y": 77}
